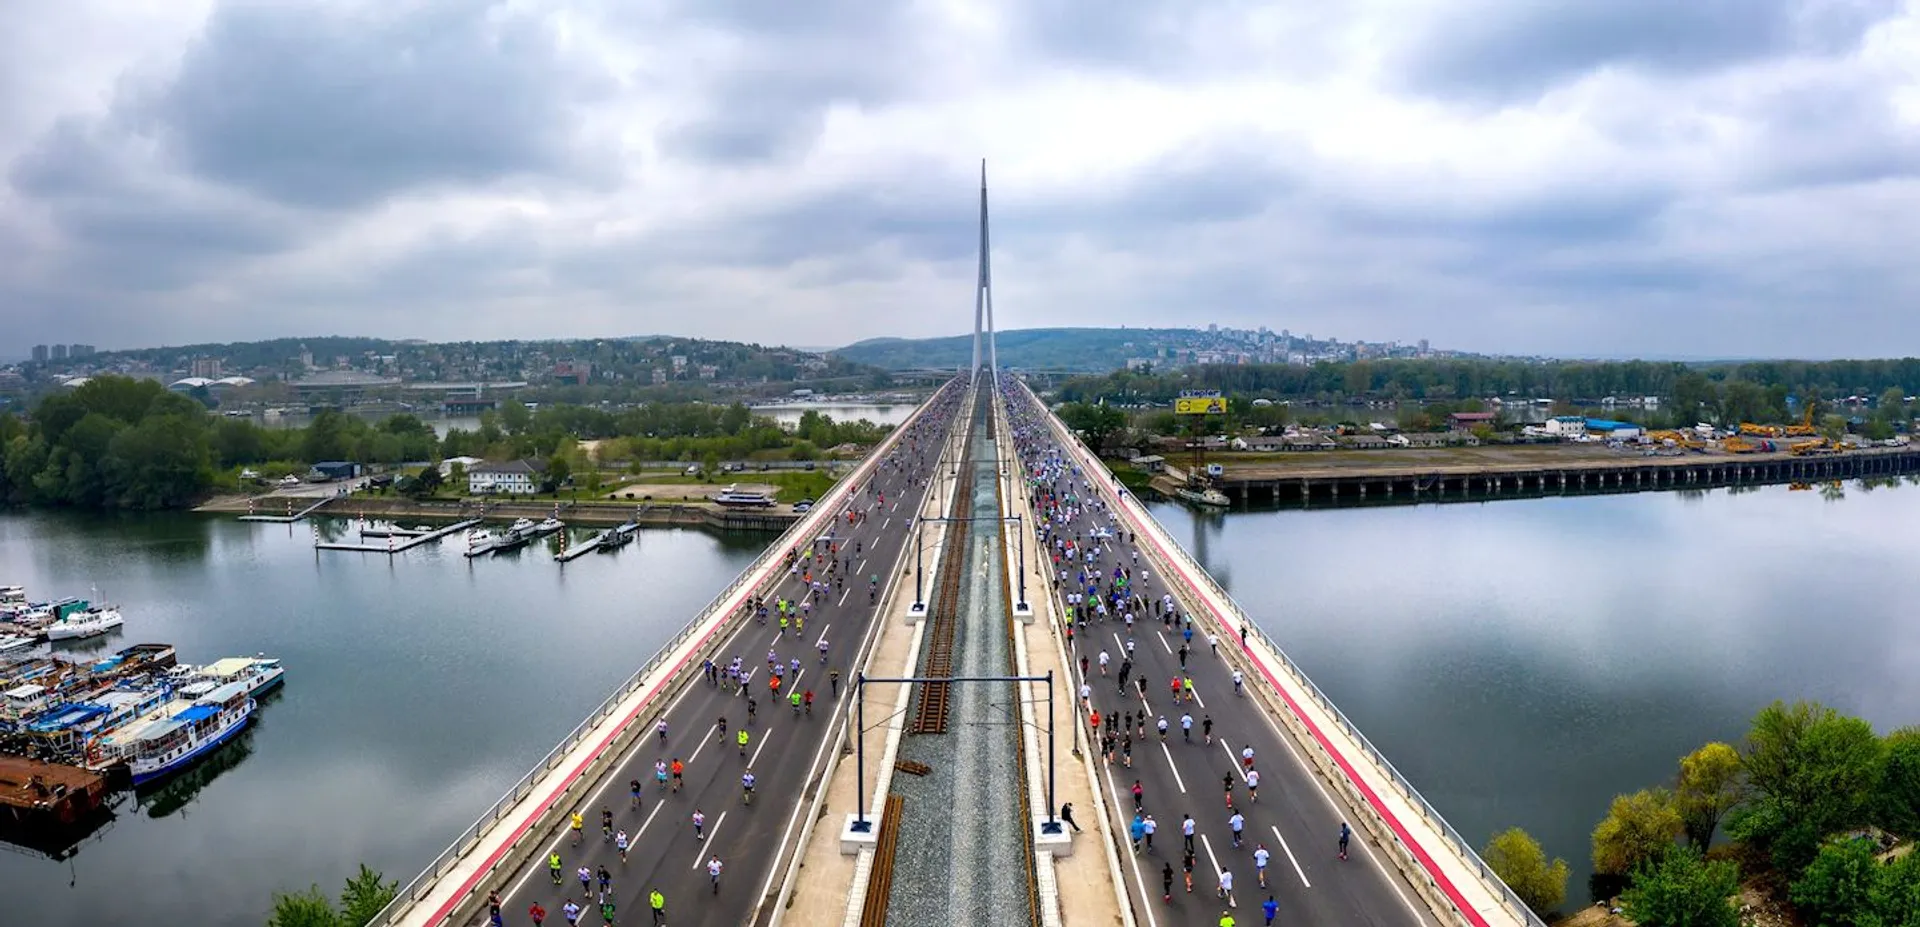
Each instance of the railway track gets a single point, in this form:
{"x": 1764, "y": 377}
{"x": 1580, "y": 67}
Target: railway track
{"x": 930, "y": 711}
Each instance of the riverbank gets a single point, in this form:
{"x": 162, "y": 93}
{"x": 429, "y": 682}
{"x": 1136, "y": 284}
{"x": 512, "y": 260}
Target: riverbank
{"x": 581, "y": 513}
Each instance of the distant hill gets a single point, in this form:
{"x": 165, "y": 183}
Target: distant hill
{"x": 1091, "y": 349}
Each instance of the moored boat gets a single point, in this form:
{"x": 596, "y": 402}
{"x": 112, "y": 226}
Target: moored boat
{"x": 1206, "y": 497}
{"x": 90, "y": 623}
{"x": 260, "y": 673}
{"x": 171, "y": 739}
{"x": 733, "y": 495}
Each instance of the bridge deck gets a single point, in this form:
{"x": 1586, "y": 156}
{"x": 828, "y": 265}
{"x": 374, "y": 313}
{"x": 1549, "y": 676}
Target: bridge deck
{"x": 1316, "y": 773}
{"x": 784, "y": 751}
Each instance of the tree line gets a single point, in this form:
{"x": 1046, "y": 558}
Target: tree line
{"x": 121, "y": 443}
{"x": 1810, "y": 802}
{"x": 1461, "y": 379}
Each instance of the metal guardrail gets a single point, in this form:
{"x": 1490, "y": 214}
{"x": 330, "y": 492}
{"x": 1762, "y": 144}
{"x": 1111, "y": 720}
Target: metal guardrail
{"x": 1400, "y": 782}
{"x": 412, "y": 893}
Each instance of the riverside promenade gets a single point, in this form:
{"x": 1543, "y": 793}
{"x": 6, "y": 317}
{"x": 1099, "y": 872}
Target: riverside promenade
{"x": 1319, "y": 769}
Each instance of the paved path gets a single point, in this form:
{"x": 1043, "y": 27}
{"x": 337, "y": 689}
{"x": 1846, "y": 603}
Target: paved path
{"x": 1296, "y": 817}
{"x": 783, "y": 751}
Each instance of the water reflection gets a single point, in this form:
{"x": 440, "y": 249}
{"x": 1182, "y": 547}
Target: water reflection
{"x": 420, "y": 686}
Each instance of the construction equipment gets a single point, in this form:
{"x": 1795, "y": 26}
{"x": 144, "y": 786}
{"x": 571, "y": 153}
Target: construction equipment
{"x": 1805, "y": 428}
{"x": 1814, "y": 446}
{"x": 1734, "y": 444}
{"x": 1762, "y": 431}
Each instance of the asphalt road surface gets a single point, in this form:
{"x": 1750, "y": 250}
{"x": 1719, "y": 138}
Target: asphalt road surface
{"x": 1295, "y": 818}
{"x": 783, "y": 749}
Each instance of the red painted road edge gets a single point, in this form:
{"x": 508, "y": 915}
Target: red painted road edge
{"x": 1419, "y": 852}
{"x": 466, "y": 889}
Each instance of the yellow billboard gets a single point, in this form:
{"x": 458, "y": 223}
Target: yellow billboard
{"x": 1200, "y": 405}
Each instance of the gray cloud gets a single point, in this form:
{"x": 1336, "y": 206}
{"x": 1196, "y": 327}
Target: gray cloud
{"x": 320, "y": 107}
{"x": 1505, "y": 51}
{"x": 1743, "y": 182}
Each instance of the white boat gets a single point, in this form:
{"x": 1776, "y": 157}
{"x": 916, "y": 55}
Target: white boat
{"x": 13, "y": 642}
{"x": 13, "y": 595}
{"x": 521, "y": 526}
{"x": 734, "y": 495}
{"x": 260, "y": 673}
{"x": 182, "y": 731}
{"x": 549, "y": 526}
{"x": 1206, "y": 497}
{"x": 91, "y": 623}
{"x": 481, "y": 542}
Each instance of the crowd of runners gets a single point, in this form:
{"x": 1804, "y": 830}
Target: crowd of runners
{"x": 794, "y": 618}
{"x": 1111, "y": 606}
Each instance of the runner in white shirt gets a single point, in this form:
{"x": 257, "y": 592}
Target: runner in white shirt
{"x": 713, "y": 873}
{"x": 1260, "y": 856}
{"x": 1253, "y": 784}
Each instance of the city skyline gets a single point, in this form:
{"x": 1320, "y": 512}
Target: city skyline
{"x": 1600, "y": 179}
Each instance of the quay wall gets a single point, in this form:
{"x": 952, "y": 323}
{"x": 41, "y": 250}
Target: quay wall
{"x": 1309, "y": 485}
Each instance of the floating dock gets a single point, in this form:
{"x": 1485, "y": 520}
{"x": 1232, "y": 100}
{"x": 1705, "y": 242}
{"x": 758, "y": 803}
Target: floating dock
{"x": 610, "y": 539}
{"x": 394, "y": 544}
{"x": 296, "y": 516}
{"x": 394, "y": 532}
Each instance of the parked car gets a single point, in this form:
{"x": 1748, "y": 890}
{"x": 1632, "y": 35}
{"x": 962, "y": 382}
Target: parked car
{"x": 803, "y": 505}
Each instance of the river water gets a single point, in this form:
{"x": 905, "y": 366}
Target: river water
{"x": 1520, "y": 661}
{"x": 418, "y": 689}
{"x": 1523, "y": 661}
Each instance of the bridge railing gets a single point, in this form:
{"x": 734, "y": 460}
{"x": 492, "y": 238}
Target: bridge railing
{"x": 1240, "y": 616}
{"x": 413, "y": 892}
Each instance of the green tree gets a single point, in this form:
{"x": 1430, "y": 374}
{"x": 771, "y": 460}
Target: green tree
{"x": 1893, "y": 405}
{"x": 1518, "y": 860}
{"x": 426, "y": 483}
{"x": 1710, "y": 786}
{"x": 1639, "y": 829}
{"x": 457, "y": 476}
{"x": 1833, "y": 427}
{"x": 327, "y": 437}
{"x": 1096, "y": 422}
{"x": 709, "y": 465}
{"x": 515, "y": 416}
{"x": 1684, "y": 890}
{"x": 309, "y": 908}
{"x": 366, "y": 895}
{"x": 1836, "y": 890}
{"x": 1897, "y": 796}
{"x": 1896, "y": 894}
{"x": 559, "y": 469}
{"x": 1812, "y": 771}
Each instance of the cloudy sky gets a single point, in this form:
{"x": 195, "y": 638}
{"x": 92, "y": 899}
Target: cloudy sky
{"x": 1577, "y": 177}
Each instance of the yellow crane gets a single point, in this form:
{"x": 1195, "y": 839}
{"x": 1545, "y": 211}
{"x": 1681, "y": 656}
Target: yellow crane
{"x": 1805, "y": 428}
{"x": 1761, "y": 431}
{"x": 1734, "y": 444}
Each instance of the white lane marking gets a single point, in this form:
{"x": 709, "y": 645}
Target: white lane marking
{"x": 1133, "y": 859}
{"x": 700, "y": 856}
{"x": 1176, "y": 770}
{"x": 1215, "y": 860}
{"x": 1162, "y": 638}
{"x": 1296, "y": 863}
{"x": 765, "y": 736}
{"x": 703, "y": 745}
{"x": 823, "y": 635}
{"x": 843, "y": 595}
{"x": 1233, "y": 758}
